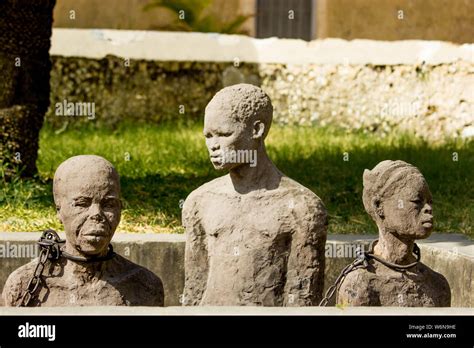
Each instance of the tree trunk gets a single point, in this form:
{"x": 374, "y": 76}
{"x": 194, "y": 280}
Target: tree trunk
{"x": 25, "y": 31}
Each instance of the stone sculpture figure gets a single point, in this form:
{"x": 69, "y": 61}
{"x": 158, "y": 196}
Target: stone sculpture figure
{"x": 253, "y": 236}
{"x": 397, "y": 197}
{"x": 87, "y": 197}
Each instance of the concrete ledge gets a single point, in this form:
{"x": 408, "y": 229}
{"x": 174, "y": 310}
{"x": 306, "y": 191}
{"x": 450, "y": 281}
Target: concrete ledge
{"x": 179, "y": 46}
{"x": 450, "y": 254}
{"x": 199, "y": 311}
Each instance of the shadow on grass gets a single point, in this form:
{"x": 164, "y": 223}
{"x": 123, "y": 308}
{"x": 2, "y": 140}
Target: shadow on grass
{"x": 161, "y": 195}
{"x": 337, "y": 182}
{"x": 157, "y": 198}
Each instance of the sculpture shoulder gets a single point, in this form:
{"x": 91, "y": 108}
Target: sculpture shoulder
{"x": 434, "y": 278}
{"x": 303, "y": 194}
{"x": 195, "y": 197}
{"x": 126, "y": 267}
{"x": 307, "y": 204}
{"x": 362, "y": 275}
{"x": 17, "y": 281}
{"x": 137, "y": 279}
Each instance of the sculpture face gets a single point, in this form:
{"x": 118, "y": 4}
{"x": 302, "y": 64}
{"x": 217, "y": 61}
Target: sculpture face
{"x": 226, "y": 136}
{"x": 408, "y": 212}
{"x": 89, "y": 206}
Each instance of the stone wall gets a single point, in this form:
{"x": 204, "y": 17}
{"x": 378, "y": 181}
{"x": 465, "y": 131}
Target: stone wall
{"x": 150, "y": 91}
{"x": 424, "y": 87}
{"x": 451, "y": 255}
{"x": 433, "y": 101}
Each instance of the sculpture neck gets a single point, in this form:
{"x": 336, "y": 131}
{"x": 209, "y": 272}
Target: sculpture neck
{"x": 264, "y": 175}
{"x": 86, "y": 268}
{"x": 394, "y": 249}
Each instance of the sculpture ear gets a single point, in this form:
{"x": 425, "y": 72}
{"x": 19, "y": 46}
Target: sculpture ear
{"x": 258, "y": 129}
{"x": 377, "y": 206}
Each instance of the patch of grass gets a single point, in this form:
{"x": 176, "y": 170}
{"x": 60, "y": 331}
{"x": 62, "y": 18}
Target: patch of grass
{"x": 161, "y": 164}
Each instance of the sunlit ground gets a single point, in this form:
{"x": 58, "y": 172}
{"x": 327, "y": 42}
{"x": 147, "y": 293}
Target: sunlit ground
{"x": 160, "y": 165}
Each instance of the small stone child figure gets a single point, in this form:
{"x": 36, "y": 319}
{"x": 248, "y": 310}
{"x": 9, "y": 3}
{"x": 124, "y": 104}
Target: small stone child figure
{"x": 87, "y": 197}
{"x": 397, "y": 197}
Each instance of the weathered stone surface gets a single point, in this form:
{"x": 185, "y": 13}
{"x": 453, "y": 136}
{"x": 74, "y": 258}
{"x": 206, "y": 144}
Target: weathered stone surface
{"x": 397, "y": 197}
{"x": 375, "y": 86}
{"x": 431, "y": 101}
{"x": 150, "y": 91}
{"x": 253, "y": 236}
{"x": 381, "y": 286}
{"x": 449, "y": 254}
{"x": 163, "y": 254}
{"x": 87, "y": 197}
{"x": 117, "y": 282}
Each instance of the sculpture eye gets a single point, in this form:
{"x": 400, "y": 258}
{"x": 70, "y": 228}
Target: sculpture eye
{"x": 416, "y": 201}
{"x": 82, "y": 202}
{"x": 110, "y": 203}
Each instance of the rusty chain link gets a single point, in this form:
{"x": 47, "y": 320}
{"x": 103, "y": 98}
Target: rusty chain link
{"x": 362, "y": 261}
{"x": 49, "y": 243}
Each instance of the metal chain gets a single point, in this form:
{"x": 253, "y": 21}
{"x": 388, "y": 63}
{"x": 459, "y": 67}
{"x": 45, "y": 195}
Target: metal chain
{"x": 394, "y": 266}
{"x": 362, "y": 262}
{"x": 50, "y": 245}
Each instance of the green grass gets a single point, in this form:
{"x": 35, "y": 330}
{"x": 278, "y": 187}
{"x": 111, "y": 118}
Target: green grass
{"x": 168, "y": 161}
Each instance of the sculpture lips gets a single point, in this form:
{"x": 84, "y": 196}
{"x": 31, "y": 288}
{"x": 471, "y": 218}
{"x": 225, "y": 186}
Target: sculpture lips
{"x": 427, "y": 223}
{"x": 96, "y": 233}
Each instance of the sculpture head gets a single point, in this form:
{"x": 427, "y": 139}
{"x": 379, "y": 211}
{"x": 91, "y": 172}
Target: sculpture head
{"x": 236, "y": 122}
{"x": 397, "y": 197}
{"x": 86, "y": 193}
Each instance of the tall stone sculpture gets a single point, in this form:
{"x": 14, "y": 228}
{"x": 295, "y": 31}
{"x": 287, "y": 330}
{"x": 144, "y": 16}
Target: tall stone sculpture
{"x": 85, "y": 271}
{"x": 253, "y": 236}
{"x": 397, "y": 197}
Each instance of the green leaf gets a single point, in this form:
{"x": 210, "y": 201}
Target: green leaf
{"x": 194, "y": 18}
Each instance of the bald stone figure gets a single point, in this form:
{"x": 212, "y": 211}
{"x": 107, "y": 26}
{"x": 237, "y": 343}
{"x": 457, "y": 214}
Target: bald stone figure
{"x": 254, "y": 236}
{"x": 397, "y": 197}
{"x": 87, "y": 197}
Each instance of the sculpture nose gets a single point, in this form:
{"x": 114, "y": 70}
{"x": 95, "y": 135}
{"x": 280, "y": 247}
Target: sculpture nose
{"x": 215, "y": 146}
{"x": 96, "y": 213}
{"x": 212, "y": 144}
{"x": 428, "y": 209}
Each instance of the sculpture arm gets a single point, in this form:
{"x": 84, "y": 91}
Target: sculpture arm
{"x": 195, "y": 255}
{"x": 13, "y": 289}
{"x": 306, "y": 261}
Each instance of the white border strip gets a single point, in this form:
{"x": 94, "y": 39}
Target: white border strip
{"x": 230, "y": 311}
{"x": 179, "y": 46}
